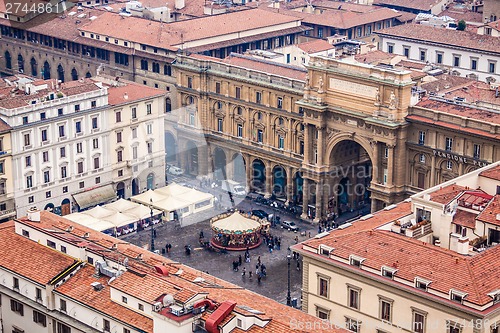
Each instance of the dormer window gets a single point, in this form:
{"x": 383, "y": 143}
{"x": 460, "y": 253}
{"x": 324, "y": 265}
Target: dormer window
{"x": 355, "y": 260}
{"x": 325, "y": 250}
{"x": 388, "y": 272}
{"x": 422, "y": 284}
{"x": 457, "y": 296}
{"x": 495, "y": 295}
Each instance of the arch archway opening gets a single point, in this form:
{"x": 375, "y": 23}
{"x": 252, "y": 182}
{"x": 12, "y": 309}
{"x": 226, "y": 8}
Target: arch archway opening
{"x": 20, "y": 63}
{"x": 191, "y": 158}
{"x": 279, "y": 181}
{"x": 170, "y": 148}
{"x": 239, "y": 169}
{"x": 46, "y": 71}
{"x": 349, "y": 179}
{"x": 8, "y": 60}
{"x": 34, "y": 67}
{"x": 60, "y": 73}
{"x": 135, "y": 186}
{"x": 150, "y": 181}
{"x": 258, "y": 176}
{"x": 120, "y": 190}
{"x": 219, "y": 160}
{"x": 74, "y": 74}
{"x": 65, "y": 207}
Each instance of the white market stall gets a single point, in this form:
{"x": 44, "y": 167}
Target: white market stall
{"x": 176, "y": 198}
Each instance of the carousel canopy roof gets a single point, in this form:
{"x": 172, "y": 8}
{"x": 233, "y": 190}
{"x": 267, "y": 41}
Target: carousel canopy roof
{"x": 236, "y": 224}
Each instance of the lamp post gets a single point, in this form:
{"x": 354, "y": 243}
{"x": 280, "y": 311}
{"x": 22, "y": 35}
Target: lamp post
{"x": 152, "y": 226}
{"x": 288, "y": 296}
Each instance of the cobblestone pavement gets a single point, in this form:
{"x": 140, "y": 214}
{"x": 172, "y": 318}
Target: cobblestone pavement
{"x": 187, "y": 232}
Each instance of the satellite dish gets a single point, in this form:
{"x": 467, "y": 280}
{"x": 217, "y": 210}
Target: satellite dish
{"x": 168, "y": 300}
{"x": 125, "y": 262}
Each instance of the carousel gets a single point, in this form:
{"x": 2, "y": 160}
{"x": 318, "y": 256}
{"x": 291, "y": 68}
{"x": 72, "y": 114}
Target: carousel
{"x": 237, "y": 232}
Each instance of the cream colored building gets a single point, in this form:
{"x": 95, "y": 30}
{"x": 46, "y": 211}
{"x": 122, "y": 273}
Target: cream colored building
{"x": 428, "y": 264}
{"x": 136, "y": 137}
{"x": 7, "y": 206}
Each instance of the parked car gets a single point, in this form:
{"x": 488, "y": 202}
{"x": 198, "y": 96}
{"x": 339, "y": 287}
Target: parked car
{"x": 291, "y": 226}
{"x": 260, "y": 214}
{"x": 173, "y": 170}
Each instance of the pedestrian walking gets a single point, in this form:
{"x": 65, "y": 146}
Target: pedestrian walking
{"x": 250, "y": 274}
{"x": 258, "y": 261}
{"x": 259, "y": 277}
{"x": 240, "y": 260}
{"x": 298, "y": 265}
{"x": 296, "y": 239}
{"x": 244, "y": 272}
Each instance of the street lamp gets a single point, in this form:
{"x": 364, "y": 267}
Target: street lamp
{"x": 152, "y": 226}
{"x": 288, "y": 296}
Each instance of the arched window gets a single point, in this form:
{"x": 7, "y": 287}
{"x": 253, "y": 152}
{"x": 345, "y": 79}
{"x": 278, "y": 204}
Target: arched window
{"x": 167, "y": 70}
{"x": 60, "y": 73}
{"x": 46, "y": 71}
{"x": 144, "y": 65}
{"x": 34, "y": 67}
{"x": 20, "y": 63}
{"x": 8, "y": 60}
{"x": 88, "y": 75}
{"x": 74, "y": 74}
{"x": 168, "y": 105}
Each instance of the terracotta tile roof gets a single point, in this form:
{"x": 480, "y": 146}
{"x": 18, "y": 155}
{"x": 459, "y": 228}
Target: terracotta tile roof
{"x": 462, "y": 110}
{"x": 464, "y": 218}
{"x": 453, "y": 38}
{"x": 444, "y": 83}
{"x": 20, "y": 99}
{"x": 24, "y": 256}
{"x": 406, "y": 17}
{"x": 248, "y": 62}
{"x": 171, "y": 35}
{"x": 411, "y": 64}
{"x": 450, "y": 126}
{"x": 4, "y": 127}
{"x": 340, "y": 19}
{"x": 379, "y": 219}
{"x": 344, "y": 6}
{"x": 374, "y": 57}
{"x": 149, "y": 288}
{"x": 132, "y": 92}
{"x": 425, "y": 5}
{"x": 78, "y": 288}
{"x": 152, "y": 285}
{"x": 466, "y": 15}
{"x": 445, "y": 194}
{"x": 314, "y": 46}
{"x": 477, "y": 276}
{"x": 489, "y": 214}
{"x": 492, "y": 173}
{"x": 248, "y": 39}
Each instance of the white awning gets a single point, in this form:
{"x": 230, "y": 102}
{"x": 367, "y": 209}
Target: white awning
{"x": 95, "y": 196}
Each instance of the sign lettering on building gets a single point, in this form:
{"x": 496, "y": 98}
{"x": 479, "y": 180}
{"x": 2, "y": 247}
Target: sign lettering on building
{"x": 458, "y": 158}
{"x": 353, "y": 88}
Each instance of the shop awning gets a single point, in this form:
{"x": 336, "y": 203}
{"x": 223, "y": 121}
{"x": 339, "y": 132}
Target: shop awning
{"x": 95, "y": 196}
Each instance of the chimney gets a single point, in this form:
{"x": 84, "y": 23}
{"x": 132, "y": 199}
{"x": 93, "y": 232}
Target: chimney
{"x": 179, "y": 4}
{"x": 463, "y": 246}
{"x": 33, "y": 214}
{"x": 437, "y": 242}
{"x": 125, "y": 96}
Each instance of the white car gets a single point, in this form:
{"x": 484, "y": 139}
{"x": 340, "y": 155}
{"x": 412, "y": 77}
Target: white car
{"x": 173, "y": 170}
{"x": 239, "y": 191}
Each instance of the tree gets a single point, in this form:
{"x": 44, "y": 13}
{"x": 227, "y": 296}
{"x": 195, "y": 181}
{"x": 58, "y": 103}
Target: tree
{"x": 461, "y": 25}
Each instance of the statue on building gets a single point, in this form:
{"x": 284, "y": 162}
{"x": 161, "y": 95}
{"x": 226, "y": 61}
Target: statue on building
{"x": 392, "y": 100}
{"x": 320, "y": 85}
{"x": 306, "y": 83}
{"x": 377, "y": 97}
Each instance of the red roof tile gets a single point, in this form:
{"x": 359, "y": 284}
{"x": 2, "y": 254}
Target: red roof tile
{"x": 27, "y": 258}
{"x": 465, "y": 219}
{"x": 476, "y": 276}
{"x": 489, "y": 214}
{"x": 445, "y": 194}
{"x": 314, "y": 46}
{"x": 444, "y": 36}
{"x": 492, "y": 173}
{"x": 131, "y": 92}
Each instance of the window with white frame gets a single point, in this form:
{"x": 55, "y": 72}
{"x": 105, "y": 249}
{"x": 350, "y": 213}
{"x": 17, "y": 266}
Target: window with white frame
{"x": 149, "y": 128}
{"x": 448, "y": 144}
{"x": 477, "y": 151}
{"x": 353, "y": 297}
{"x": 449, "y": 165}
{"x": 239, "y": 131}
{"x": 220, "y": 123}
{"x": 281, "y": 142}
{"x": 418, "y": 321}
{"x": 385, "y": 308}
{"x": 352, "y": 324}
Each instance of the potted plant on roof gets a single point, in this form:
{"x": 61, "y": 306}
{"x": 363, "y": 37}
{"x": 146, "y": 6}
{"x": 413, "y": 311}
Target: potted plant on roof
{"x": 60, "y": 95}
{"x": 396, "y": 227}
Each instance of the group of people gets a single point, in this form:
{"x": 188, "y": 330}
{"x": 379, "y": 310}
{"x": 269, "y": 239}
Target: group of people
{"x": 273, "y": 243}
{"x": 260, "y": 268}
